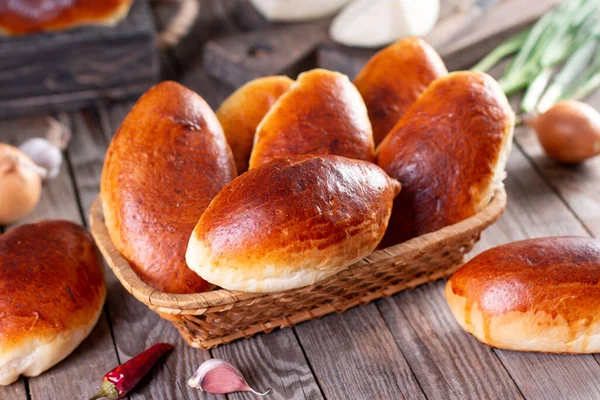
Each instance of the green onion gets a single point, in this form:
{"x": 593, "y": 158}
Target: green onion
{"x": 586, "y": 84}
{"x": 505, "y": 49}
{"x": 535, "y": 90}
{"x": 569, "y": 34}
{"x": 572, "y": 70}
{"x": 591, "y": 84}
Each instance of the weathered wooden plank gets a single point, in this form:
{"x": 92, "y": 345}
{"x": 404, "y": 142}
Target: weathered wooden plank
{"x": 136, "y": 328}
{"x": 354, "y": 356}
{"x": 272, "y": 361}
{"x": 447, "y": 363}
{"x": 282, "y": 50}
{"x": 211, "y": 90}
{"x": 247, "y": 17}
{"x": 16, "y": 391}
{"x": 44, "y": 73}
{"x": 97, "y": 352}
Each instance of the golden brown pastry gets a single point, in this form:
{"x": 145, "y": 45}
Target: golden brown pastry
{"x": 533, "y": 295}
{"x": 448, "y": 152}
{"x": 20, "y": 17}
{"x": 322, "y": 113}
{"x": 52, "y": 291}
{"x": 243, "y": 110}
{"x": 164, "y": 165}
{"x": 292, "y": 222}
{"x": 394, "y": 78}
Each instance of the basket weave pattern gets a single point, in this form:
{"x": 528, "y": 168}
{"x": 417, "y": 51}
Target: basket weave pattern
{"x": 209, "y": 319}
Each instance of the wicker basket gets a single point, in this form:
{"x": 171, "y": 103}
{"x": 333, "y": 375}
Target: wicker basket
{"x": 209, "y": 319}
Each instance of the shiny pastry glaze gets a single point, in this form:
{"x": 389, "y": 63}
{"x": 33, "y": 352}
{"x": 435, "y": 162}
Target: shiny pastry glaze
{"x": 51, "y": 280}
{"x": 322, "y": 113}
{"x": 446, "y": 152}
{"x": 243, "y": 110}
{"x": 557, "y": 276}
{"x": 394, "y": 78}
{"x": 164, "y": 165}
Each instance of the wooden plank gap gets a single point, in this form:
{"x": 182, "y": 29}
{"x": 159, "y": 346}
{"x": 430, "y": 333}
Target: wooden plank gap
{"x": 399, "y": 346}
{"x": 68, "y": 121}
{"x": 26, "y": 385}
{"x": 310, "y": 366}
{"x": 400, "y": 349}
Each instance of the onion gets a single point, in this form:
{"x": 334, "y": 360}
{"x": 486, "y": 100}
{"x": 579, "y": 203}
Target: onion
{"x": 20, "y": 184}
{"x": 569, "y": 131}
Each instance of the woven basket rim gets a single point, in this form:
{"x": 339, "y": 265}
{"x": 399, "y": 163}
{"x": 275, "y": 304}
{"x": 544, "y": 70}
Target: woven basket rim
{"x": 198, "y": 303}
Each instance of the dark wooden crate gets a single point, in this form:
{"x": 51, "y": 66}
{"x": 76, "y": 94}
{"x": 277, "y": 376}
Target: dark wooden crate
{"x": 78, "y": 67}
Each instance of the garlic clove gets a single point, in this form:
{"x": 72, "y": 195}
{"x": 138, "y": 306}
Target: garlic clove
{"x": 220, "y": 377}
{"x": 375, "y": 23}
{"x": 297, "y": 10}
{"x": 44, "y": 154}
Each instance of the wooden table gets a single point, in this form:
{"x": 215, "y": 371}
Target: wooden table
{"x": 406, "y": 346}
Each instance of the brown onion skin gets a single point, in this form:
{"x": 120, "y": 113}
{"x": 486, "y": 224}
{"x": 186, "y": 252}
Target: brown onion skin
{"x": 20, "y": 185}
{"x": 569, "y": 131}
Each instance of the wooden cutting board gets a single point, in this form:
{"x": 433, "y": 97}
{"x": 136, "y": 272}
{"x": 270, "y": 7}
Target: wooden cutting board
{"x": 78, "y": 67}
{"x": 290, "y": 48}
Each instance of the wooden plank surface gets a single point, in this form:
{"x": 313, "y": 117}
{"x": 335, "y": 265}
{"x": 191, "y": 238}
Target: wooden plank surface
{"x": 447, "y": 362}
{"x": 405, "y": 346}
{"x": 422, "y": 329}
{"x": 282, "y": 50}
{"x": 354, "y": 356}
{"x": 43, "y": 72}
{"x": 272, "y": 361}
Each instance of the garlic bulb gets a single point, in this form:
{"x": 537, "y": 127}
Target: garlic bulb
{"x": 44, "y": 154}
{"x": 297, "y": 10}
{"x": 374, "y": 23}
{"x": 20, "y": 184}
{"x": 220, "y": 377}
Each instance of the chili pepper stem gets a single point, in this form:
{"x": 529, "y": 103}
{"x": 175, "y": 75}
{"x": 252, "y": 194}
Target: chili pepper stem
{"x": 107, "y": 390}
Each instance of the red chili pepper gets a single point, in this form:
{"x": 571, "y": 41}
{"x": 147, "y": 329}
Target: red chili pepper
{"x": 119, "y": 381}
